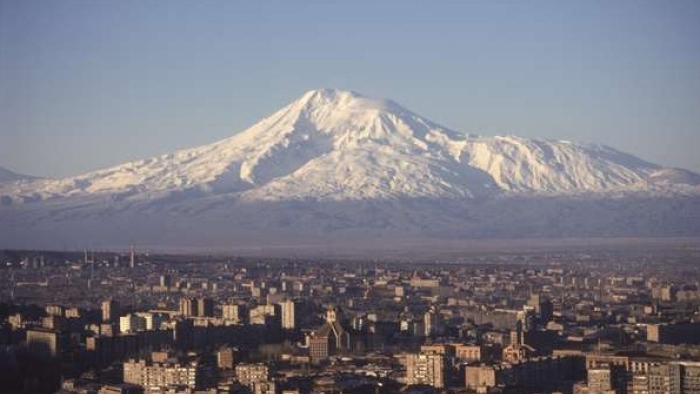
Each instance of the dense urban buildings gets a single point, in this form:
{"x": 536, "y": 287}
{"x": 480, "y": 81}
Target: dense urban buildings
{"x": 595, "y": 322}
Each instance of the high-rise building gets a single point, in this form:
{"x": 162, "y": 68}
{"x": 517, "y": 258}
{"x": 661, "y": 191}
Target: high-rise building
{"x": 425, "y": 368}
{"x": 319, "y": 347}
{"x": 72, "y": 313}
{"x": 152, "y": 320}
{"x": 546, "y": 311}
{"x": 684, "y": 377}
{"x": 431, "y": 322}
{"x": 188, "y": 307}
{"x": 166, "y": 281}
{"x": 674, "y": 333}
{"x": 607, "y": 379}
{"x": 132, "y": 257}
{"x": 131, "y": 323}
{"x": 225, "y": 358}
{"x": 266, "y": 314}
{"x": 58, "y": 323}
{"x": 205, "y": 307}
{"x": 659, "y": 379}
{"x": 517, "y": 336}
{"x": 600, "y": 380}
{"x": 54, "y": 310}
{"x": 288, "y": 314}
{"x": 527, "y": 317}
{"x": 110, "y": 311}
{"x": 44, "y": 342}
{"x": 234, "y": 313}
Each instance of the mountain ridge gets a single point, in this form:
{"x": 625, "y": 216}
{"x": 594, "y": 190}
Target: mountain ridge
{"x": 351, "y": 146}
{"x": 335, "y": 166}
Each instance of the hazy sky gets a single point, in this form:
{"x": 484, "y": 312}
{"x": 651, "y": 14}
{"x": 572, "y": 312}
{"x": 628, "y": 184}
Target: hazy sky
{"x": 89, "y": 84}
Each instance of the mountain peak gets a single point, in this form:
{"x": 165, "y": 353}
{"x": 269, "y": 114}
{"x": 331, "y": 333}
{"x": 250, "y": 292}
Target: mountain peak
{"x": 337, "y": 163}
{"x": 339, "y": 144}
{"x": 330, "y": 93}
{"x": 338, "y": 99}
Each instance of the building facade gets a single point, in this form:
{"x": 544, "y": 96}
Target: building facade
{"x": 425, "y": 368}
{"x": 153, "y": 375}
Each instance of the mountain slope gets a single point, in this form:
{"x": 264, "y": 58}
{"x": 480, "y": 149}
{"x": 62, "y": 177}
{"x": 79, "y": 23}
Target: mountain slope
{"x": 338, "y": 145}
{"x": 337, "y": 165}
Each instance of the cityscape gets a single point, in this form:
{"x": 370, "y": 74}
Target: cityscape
{"x": 615, "y": 321}
{"x": 349, "y": 197}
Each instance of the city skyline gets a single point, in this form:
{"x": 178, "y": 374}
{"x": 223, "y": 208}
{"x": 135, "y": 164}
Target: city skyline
{"x": 86, "y": 86}
{"x": 526, "y": 322}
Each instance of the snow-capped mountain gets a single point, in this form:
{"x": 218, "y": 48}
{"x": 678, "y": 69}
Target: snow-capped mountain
{"x": 338, "y": 160}
{"x": 333, "y": 144}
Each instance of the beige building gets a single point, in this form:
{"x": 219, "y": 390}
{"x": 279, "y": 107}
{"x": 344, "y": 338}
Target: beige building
{"x": 659, "y": 380}
{"x": 54, "y": 310}
{"x": 600, "y": 380}
{"x": 154, "y": 375}
{"x": 225, "y": 358}
{"x": 425, "y": 368}
{"x": 689, "y": 373}
{"x": 469, "y": 353}
{"x": 594, "y": 360}
{"x": 234, "y": 313}
{"x": 265, "y": 387}
{"x": 479, "y": 376}
{"x": 446, "y": 350}
{"x": 288, "y": 314}
{"x": 431, "y": 322}
{"x": 608, "y": 378}
{"x": 483, "y": 377}
{"x": 120, "y": 389}
{"x": 542, "y": 374}
{"x": 43, "y": 342}
{"x": 247, "y": 374}
{"x": 517, "y": 353}
{"x": 261, "y": 313}
{"x": 110, "y": 311}
{"x": 131, "y": 323}
{"x": 188, "y": 307}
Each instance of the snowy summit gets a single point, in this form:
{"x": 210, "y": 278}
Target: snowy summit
{"x": 335, "y": 144}
{"x": 339, "y": 154}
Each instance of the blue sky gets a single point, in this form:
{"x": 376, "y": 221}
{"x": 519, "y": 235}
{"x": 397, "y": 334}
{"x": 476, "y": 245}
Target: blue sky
{"x": 89, "y": 84}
